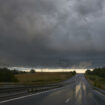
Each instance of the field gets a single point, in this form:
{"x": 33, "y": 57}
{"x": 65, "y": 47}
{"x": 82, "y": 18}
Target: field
{"x": 96, "y": 81}
{"x": 42, "y": 78}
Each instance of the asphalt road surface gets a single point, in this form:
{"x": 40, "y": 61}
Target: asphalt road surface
{"x": 78, "y": 92}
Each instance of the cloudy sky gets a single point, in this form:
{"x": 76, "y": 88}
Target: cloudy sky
{"x": 52, "y": 33}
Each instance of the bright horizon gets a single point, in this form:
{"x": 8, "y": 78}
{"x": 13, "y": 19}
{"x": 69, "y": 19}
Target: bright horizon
{"x": 49, "y": 69}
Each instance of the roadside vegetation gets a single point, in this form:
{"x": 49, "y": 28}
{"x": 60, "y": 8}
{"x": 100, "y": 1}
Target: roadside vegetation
{"x": 96, "y": 77}
{"x": 41, "y": 78}
{"x": 32, "y": 77}
{"x": 7, "y": 76}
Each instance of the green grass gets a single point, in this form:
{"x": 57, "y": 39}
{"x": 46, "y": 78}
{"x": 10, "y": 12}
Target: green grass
{"x": 42, "y": 78}
{"x": 96, "y": 81}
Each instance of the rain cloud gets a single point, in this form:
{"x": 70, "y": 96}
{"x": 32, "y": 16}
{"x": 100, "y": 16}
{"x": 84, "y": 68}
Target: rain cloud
{"x": 52, "y": 33}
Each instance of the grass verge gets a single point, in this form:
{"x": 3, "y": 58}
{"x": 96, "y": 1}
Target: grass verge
{"x": 96, "y": 81}
{"x": 42, "y": 78}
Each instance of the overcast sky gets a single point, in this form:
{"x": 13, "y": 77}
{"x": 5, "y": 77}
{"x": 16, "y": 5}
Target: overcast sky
{"x": 52, "y": 33}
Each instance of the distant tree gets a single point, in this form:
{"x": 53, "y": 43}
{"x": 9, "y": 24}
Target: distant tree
{"x": 32, "y": 71}
{"x": 88, "y": 72}
{"x": 98, "y": 71}
{"x": 74, "y": 72}
{"x": 17, "y": 72}
{"x": 6, "y": 75}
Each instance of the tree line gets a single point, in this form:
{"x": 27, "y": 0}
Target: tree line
{"x": 98, "y": 71}
{"x": 7, "y": 75}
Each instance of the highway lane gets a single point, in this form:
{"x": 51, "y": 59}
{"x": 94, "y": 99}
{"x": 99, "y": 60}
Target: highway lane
{"x": 78, "y": 92}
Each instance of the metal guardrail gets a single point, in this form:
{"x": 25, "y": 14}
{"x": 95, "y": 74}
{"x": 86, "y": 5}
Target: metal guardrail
{"x": 19, "y": 91}
{"x": 100, "y": 90}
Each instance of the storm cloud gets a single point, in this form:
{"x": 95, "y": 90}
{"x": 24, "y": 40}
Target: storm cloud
{"x": 52, "y": 33}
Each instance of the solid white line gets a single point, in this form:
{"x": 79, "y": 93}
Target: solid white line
{"x": 68, "y": 100}
{"x": 30, "y": 95}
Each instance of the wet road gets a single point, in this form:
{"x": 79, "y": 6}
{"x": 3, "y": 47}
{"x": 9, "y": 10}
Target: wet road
{"x": 78, "y": 92}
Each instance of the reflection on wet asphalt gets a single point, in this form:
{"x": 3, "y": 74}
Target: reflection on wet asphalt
{"x": 78, "y": 92}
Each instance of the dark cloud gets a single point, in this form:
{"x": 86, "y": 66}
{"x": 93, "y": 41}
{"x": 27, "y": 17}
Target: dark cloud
{"x": 52, "y": 32}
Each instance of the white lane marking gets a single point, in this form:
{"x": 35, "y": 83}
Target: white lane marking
{"x": 30, "y": 95}
{"x": 68, "y": 99}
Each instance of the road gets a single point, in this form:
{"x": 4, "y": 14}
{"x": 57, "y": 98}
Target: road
{"x": 78, "y": 92}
